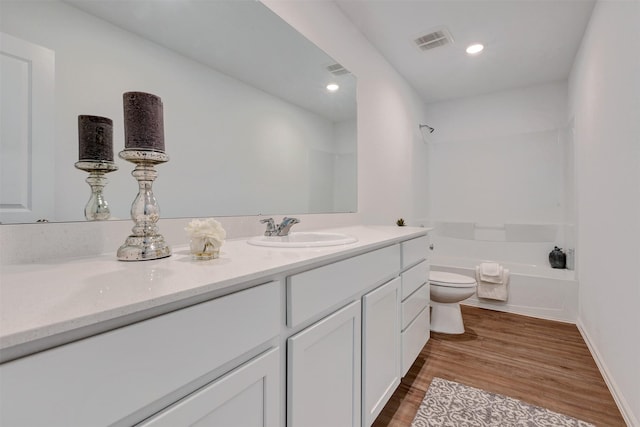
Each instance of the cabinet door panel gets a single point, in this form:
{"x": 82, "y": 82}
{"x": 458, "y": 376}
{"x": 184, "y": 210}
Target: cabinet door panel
{"x": 246, "y": 397}
{"x": 414, "y": 338}
{"x": 323, "y": 363}
{"x": 381, "y": 348}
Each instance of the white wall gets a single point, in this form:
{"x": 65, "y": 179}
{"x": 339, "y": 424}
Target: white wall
{"x": 498, "y": 157}
{"x": 497, "y": 167}
{"x": 213, "y": 123}
{"x": 391, "y": 155}
{"x": 605, "y": 102}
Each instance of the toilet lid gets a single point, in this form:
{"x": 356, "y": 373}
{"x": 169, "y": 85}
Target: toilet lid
{"x": 444, "y": 278}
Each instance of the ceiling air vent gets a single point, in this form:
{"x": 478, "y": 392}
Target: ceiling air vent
{"x": 337, "y": 70}
{"x": 435, "y": 39}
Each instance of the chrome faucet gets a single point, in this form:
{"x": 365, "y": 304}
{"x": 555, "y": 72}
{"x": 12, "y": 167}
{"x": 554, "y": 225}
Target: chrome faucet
{"x": 286, "y": 224}
{"x": 279, "y": 230}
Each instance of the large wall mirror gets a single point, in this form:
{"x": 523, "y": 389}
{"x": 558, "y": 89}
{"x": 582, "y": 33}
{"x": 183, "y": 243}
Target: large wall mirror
{"x": 250, "y": 127}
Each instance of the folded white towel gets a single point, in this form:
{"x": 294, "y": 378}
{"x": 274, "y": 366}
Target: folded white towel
{"x": 493, "y": 279}
{"x": 489, "y": 268}
{"x": 492, "y": 290}
{"x": 491, "y": 272}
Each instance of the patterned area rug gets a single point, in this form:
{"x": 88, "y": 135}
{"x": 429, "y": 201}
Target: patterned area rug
{"x": 450, "y": 404}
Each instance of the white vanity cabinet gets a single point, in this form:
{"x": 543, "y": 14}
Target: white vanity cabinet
{"x": 342, "y": 369}
{"x": 123, "y": 376}
{"x": 415, "y": 329}
{"x": 338, "y": 377}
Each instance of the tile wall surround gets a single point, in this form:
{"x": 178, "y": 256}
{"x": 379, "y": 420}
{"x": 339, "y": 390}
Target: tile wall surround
{"x": 41, "y": 243}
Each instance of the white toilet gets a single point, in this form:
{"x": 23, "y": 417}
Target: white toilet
{"x": 447, "y": 290}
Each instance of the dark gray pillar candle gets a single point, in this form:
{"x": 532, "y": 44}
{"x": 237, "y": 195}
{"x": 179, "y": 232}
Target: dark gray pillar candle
{"x": 95, "y": 137}
{"x": 143, "y": 122}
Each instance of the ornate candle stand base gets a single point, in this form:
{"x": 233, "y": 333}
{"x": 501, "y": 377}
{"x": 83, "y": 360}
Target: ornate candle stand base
{"x": 145, "y": 243}
{"x": 97, "y": 208}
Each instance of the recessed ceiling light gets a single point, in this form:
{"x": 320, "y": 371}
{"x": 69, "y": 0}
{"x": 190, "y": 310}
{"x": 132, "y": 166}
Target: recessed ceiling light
{"x": 474, "y": 48}
{"x": 332, "y": 87}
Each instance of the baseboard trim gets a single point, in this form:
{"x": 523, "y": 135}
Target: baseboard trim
{"x": 622, "y": 404}
{"x": 514, "y": 309}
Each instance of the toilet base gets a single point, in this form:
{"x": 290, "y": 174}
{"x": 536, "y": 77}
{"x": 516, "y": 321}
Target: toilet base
{"x": 446, "y": 318}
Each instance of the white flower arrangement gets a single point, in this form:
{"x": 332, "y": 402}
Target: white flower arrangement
{"x": 209, "y": 230}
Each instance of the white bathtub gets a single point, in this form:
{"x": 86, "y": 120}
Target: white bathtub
{"x": 534, "y": 290}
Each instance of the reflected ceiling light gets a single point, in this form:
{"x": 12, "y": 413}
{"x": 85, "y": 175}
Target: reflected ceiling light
{"x": 332, "y": 87}
{"x": 475, "y": 48}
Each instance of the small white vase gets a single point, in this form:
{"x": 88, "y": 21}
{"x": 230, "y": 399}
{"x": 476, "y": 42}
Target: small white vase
{"x": 203, "y": 249}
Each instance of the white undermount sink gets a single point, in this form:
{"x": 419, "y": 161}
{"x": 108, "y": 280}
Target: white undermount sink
{"x": 303, "y": 239}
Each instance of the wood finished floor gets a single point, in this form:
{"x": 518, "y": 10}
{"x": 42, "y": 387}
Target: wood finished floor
{"x": 540, "y": 362}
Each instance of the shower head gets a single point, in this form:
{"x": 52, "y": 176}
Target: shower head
{"x": 428, "y": 127}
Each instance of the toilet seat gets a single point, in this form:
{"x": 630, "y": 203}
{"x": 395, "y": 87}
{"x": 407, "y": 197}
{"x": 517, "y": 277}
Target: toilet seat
{"x": 451, "y": 280}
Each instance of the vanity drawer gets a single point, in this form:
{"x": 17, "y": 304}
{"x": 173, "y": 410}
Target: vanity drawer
{"x": 413, "y": 278}
{"x": 314, "y": 291}
{"x": 107, "y": 377}
{"x": 413, "y": 305}
{"x": 414, "y": 250}
{"x": 414, "y": 338}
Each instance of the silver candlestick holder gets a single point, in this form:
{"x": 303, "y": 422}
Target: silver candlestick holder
{"x": 145, "y": 243}
{"x": 97, "y": 208}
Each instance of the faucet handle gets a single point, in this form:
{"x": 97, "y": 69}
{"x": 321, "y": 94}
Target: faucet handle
{"x": 271, "y": 226}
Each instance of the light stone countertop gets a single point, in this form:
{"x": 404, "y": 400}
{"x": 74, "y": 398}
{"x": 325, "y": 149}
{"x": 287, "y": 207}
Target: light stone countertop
{"x": 49, "y": 304}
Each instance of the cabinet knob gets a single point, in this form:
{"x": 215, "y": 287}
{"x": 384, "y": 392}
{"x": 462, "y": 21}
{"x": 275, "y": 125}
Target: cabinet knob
{"x": 431, "y": 246}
